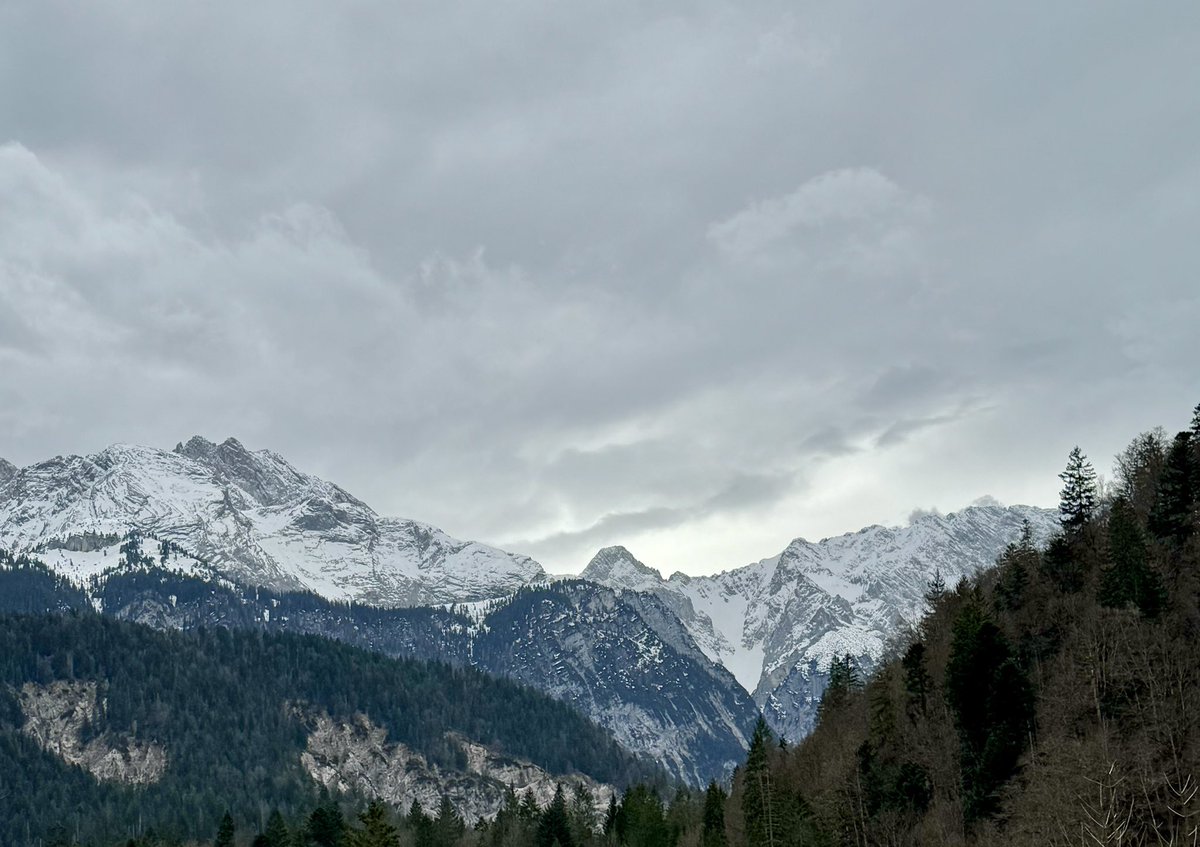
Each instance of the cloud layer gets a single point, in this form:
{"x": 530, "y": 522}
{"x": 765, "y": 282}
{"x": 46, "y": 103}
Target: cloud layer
{"x": 689, "y": 277}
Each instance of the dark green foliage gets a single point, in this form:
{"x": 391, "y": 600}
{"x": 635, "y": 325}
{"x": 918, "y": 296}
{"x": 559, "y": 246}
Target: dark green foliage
{"x": 843, "y": 679}
{"x": 1078, "y": 496}
{"x": 916, "y": 679}
{"x": 448, "y": 825}
{"x": 218, "y": 702}
{"x": 1128, "y": 579}
{"x": 1174, "y": 513}
{"x": 758, "y": 808}
{"x": 712, "y": 833}
{"x": 992, "y": 705}
{"x": 225, "y": 832}
{"x": 1062, "y": 566}
{"x": 326, "y": 826}
{"x": 276, "y": 834}
{"x": 640, "y": 820}
{"x": 377, "y": 829}
{"x": 554, "y": 828}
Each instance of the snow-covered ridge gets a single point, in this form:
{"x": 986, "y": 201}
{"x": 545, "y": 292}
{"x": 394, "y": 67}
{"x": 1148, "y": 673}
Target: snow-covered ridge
{"x": 777, "y": 623}
{"x": 253, "y": 517}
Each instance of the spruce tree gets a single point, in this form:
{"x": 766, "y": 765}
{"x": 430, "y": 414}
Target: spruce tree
{"x": 225, "y": 832}
{"x": 1078, "y": 494}
{"x": 990, "y": 698}
{"x": 326, "y": 826}
{"x": 448, "y": 826}
{"x": 712, "y": 833}
{"x": 1128, "y": 578}
{"x": 1173, "y": 516}
{"x": 554, "y": 828}
{"x": 276, "y": 833}
{"x": 377, "y": 830}
{"x": 757, "y": 808}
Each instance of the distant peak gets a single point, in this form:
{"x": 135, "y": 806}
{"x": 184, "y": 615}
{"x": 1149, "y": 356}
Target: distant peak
{"x": 616, "y": 563}
{"x": 197, "y": 447}
{"x": 7, "y": 471}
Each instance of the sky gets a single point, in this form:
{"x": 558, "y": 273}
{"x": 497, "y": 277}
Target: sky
{"x": 692, "y": 277}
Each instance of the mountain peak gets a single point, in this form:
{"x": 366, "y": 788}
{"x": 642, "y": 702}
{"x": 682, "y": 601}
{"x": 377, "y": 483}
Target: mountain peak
{"x": 7, "y": 471}
{"x": 197, "y": 447}
{"x": 617, "y": 567}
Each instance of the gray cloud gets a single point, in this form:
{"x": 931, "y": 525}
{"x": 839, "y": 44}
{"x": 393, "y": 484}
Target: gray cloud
{"x": 693, "y": 277}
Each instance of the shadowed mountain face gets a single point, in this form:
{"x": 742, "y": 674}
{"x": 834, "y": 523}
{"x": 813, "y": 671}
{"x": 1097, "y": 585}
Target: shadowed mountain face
{"x": 777, "y": 623}
{"x": 255, "y": 519}
{"x": 658, "y": 661}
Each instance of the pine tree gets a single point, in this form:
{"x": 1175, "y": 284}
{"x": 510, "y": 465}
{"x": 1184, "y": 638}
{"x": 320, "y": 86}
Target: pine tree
{"x": 843, "y": 678}
{"x": 757, "y": 807}
{"x": 448, "y": 826}
{"x": 936, "y": 588}
{"x": 712, "y": 833}
{"x": 1128, "y": 578}
{"x": 583, "y": 815}
{"x": 991, "y": 701}
{"x": 554, "y": 828}
{"x": 276, "y": 833}
{"x": 1078, "y": 494}
{"x": 1173, "y": 516}
{"x": 377, "y": 830}
{"x": 326, "y": 826}
{"x": 225, "y": 832}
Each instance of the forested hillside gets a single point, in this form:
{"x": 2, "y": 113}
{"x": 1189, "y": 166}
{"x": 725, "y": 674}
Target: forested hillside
{"x": 169, "y": 729}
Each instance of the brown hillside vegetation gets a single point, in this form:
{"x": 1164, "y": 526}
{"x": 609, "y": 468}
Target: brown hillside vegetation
{"x": 1054, "y": 700}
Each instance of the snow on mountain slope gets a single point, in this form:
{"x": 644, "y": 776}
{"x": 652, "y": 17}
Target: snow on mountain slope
{"x": 777, "y": 623}
{"x": 254, "y": 517}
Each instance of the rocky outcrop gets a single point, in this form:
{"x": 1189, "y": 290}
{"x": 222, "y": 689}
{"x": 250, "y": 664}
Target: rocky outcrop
{"x": 355, "y": 755}
{"x": 59, "y": 715}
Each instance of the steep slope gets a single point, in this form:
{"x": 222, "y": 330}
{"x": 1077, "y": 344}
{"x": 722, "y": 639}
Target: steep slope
{"x": 96, "y": 714}
{"x": 625, "y": 660}
{"x": 621, "y": 658}
{"x": 253, "y": 517}
{"x": 777, "y": 623}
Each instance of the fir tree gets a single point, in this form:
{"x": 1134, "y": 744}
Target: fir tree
{"x": 448, "y": 826}
{"x": 377, "y": 830}
{"x": 1078, "y": 496}
{"x": 1172, "y": 518}
{"x": 1128, "y": 578}
{"x": 713, "y": 828}
{"x": 757, "y": 807}
{"x": 326, "y": 826}
{"x": 554, "y": 828}
{"x": 991, "y": 701}
{"x": 276, "y": 833}
{"x": 583, "y": 814}
{"x": 225, "y": 832}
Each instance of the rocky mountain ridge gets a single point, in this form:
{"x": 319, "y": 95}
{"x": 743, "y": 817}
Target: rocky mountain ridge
{"x": 777, "y": 623}
{"x": 255, "y": 518}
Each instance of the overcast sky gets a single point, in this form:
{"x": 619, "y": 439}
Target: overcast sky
{"x": 693, "y": 277}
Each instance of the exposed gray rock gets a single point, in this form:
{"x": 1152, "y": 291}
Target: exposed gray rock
{"x": 356, "y": 756}
{"x": 55, "y": 718}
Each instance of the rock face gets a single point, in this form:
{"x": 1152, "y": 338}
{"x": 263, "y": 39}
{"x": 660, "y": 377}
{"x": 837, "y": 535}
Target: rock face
{"x": 253, "y": 518}
{"x": 777, "y": 623}
{"x": 620, "y": 657}
{"x": 7, "y": 471}
{"x": 623, "y": 659}
{"x": 356, "y": 756}
{"x": 56, "y": 716}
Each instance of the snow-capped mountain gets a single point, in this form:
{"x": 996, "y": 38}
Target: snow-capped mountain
{"x": 252, "y": 516}
{"x": 777, "y": 623}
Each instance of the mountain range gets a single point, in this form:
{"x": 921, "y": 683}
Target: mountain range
{"x": 659, "y": 661}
